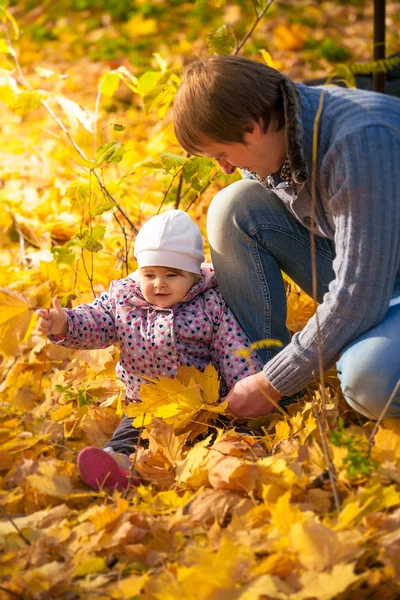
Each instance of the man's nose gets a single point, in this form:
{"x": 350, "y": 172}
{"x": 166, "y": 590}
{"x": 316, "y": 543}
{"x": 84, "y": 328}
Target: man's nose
{"x": 226, "y": 166}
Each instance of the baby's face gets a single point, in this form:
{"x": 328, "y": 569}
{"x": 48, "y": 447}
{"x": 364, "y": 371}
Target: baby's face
{"x": 163, "y": 286}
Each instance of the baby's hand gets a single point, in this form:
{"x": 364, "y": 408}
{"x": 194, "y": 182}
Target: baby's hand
{"x": 52, "y": 321}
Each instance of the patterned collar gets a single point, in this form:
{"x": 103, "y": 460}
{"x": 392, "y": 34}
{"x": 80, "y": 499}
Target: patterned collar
{"x": 284, "y": 175}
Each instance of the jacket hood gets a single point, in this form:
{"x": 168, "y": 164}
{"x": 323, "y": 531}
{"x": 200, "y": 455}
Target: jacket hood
{"x": 207, "y": 282}
{"x": 294, "y": 131}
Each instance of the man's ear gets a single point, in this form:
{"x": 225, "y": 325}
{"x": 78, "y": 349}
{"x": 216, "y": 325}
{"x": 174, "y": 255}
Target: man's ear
{"x": 257, "y": 128}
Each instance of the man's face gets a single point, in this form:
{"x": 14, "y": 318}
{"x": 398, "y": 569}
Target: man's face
{"x": 165, "y": 287}
{"x": 261, "y": 152}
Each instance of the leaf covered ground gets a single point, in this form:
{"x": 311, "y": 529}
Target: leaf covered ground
{"x": 87, "y": 154}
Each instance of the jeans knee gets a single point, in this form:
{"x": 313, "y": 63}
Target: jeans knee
{"x": 367, "y": 386}
{"x": 230, "y": 212}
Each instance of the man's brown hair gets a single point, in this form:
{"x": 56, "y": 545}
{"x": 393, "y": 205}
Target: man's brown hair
{"x": 220, "y": 97}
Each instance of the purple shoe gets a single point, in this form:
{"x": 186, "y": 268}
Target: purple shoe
{"x": 100, "y": 470}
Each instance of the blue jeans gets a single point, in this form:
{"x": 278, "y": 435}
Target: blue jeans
{"x": 253, "y": 237}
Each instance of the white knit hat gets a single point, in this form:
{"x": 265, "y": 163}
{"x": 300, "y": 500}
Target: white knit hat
{"x": 170, "y": 239}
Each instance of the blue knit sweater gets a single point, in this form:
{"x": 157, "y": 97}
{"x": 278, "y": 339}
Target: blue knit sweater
{"x": 358, "y": 208}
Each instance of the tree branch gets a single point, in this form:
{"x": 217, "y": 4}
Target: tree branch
{"x": 256, "y": 22}
{"x": 5, "y": 513}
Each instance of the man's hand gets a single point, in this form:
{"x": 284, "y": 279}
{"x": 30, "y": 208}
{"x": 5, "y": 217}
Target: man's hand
{"x": 250, "y": 397}
{"x": 52, "y": 321}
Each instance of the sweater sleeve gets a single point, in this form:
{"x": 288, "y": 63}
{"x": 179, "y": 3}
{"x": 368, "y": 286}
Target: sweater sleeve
{"x": 90, "y": 326}
{"x": 228, "y": 338}
{"x": 362, "y": 176}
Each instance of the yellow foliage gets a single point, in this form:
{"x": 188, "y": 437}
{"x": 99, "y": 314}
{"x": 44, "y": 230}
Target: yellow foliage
{"x": 15, "y": 320}
{"x": 219, "y": 515}
{"x": 178, "y": 400}
{"x": 284, "y": 515}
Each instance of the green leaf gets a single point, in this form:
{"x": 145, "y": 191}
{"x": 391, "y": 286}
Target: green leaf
{"x": 102, "y": 208}
{"x": 109, "y": 83}
{"x": 221, "y": 41}
{"x": 198, "y": 171}
{"x": 150, "y": 166}
{"x": 79, "y": 191}
{"x": 171, "y": 161}
{"x": 88, "y": 242}
{"x": 110, "y": 152}
{"x": 117, "y": 127}
{"x": 63, "y": 255}
{"x": 27, "y": 101}
{"x": 158, "y": 89}
{"x": 147, "y": 81}
{"x": 99, "y": 232}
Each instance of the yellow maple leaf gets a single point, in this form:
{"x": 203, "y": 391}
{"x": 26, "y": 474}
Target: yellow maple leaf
{"x": 49, "y": 482}
{"x": 15, "y": 320}
{"x": 284, "y": 515}
{"x": 163, "y": 435}
{"x": 372, "y": 498}
{"x": 326, "y": 586}
{"x": 193, "y": 470}
{"x": 319, "y": 547}
{"x": 177, "y": 401}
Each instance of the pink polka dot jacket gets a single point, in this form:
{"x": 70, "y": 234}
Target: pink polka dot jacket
{"x": 155, "y": 341}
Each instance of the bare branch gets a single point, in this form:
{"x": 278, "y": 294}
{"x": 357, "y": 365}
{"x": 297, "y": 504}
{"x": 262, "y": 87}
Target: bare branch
{"x": 178, "y": 191}
{"x": 313, "y": 248}
{"x": 169, "y": 189}
{"x": 5, "y": 513}
{"x": 331, "y": 467}
{"x": 317, "y": 414}
{"x": 256, "y": 22}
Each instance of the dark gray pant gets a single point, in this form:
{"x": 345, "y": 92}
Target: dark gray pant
{"x": 125, "y": 437}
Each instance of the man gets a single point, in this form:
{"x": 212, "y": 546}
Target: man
{"x": 249, "y": 116}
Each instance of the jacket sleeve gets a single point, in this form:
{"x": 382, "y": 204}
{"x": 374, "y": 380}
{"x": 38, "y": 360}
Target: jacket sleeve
{"x": 228, "y": 339}
{"x": 91, "y": 326}
{"x": 361, "y": 173}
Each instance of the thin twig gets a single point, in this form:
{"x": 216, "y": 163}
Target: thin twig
{"x": 169, "y": 188}
{"x": 313, "y": 247}
{"x": 317, "y": 414}
{"x": 381, "y": 416}
{"x": 331, "y": 468}
{"x": 178, "y": 191}
{"x": 126, "y": 258}
{"x": 197, "y": 196}
{"x": 5, "y": 513}
{"x": 256, "y": 22}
